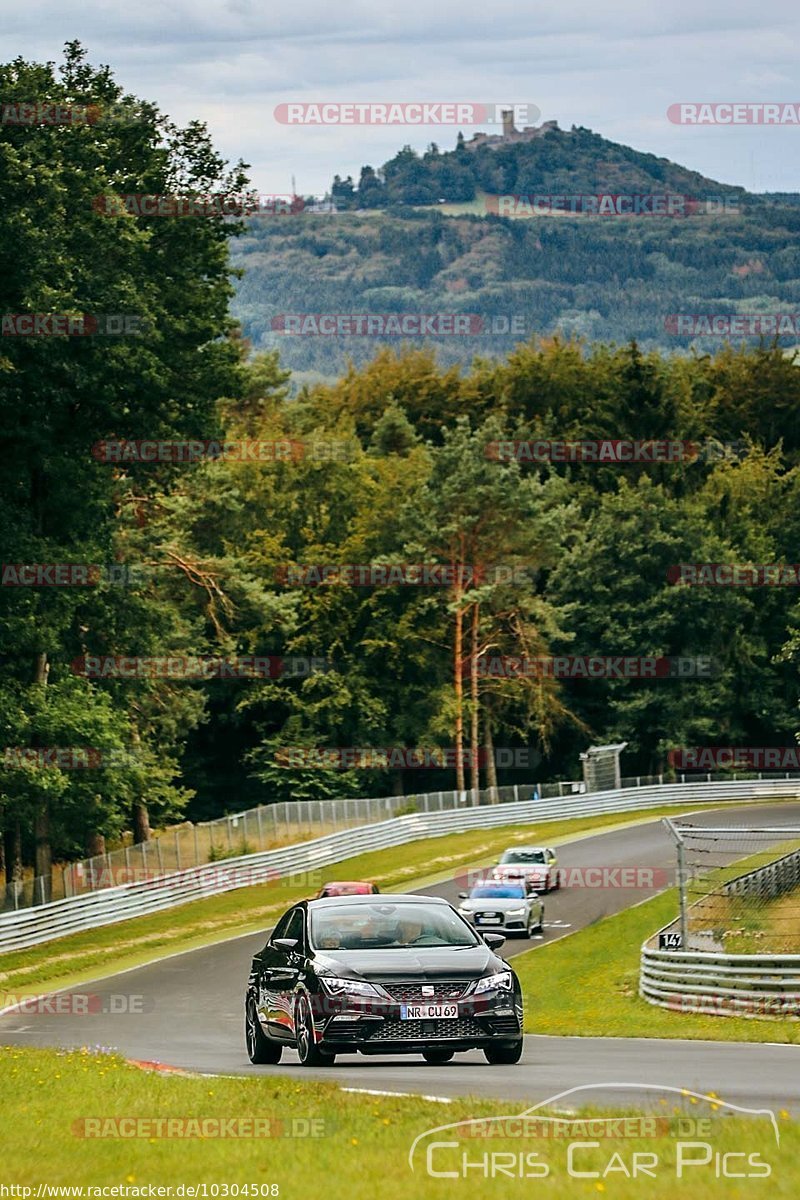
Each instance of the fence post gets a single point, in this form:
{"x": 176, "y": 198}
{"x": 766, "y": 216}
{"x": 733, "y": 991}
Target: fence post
{"x": 177, "y": 849}
{"x": 684, "y": 914}
{"x": 196, "y": 847}
{"x": 260, "y": 830}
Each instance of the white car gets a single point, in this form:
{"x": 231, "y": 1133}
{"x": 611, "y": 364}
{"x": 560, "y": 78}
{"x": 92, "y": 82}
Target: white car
{"x": 536, "y": 865}
{"x": 510, "y": 907}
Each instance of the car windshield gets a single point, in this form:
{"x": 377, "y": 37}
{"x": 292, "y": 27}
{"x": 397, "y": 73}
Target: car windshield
{"x": 387, "y": 927}
{"x": 498, "y": 893}
{"x": 524, "y": 856}
{"x": 345, "y": 889}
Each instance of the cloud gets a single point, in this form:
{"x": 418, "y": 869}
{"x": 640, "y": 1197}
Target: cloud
{"x": 615, "y": 68}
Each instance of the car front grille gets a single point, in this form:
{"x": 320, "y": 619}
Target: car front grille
{"x": 424, "y": 1031}
{"x": 411, "y": 993}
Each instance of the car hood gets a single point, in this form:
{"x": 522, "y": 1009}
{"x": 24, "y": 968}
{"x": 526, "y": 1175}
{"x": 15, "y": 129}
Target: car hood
{"x": 521, "y": 869}
{"x": 424, "y": 963}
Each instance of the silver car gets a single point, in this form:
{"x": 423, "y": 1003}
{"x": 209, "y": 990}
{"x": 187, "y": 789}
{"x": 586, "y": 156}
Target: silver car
{"x": 510, "y": 907}
{"x": 536, "y": 866}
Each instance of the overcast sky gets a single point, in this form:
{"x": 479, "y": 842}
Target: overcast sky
{"x": 613, "y": 67}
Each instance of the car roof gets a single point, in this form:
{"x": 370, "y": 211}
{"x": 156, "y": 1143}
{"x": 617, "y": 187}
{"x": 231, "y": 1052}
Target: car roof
{"x": 510, "y": 848}
{"x": 382, "y": 898}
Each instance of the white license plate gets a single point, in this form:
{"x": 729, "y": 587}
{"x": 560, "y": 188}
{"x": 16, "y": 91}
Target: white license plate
{"x": 488, "y": 920}
{"x": 428, "y": 1012}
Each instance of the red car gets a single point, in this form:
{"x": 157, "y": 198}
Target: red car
{"x": 347, "y": 888}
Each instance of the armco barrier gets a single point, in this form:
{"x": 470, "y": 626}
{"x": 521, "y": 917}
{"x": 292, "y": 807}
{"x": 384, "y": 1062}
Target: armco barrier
{"x": 720, "y": 984}
{"x": 31, "y": 926}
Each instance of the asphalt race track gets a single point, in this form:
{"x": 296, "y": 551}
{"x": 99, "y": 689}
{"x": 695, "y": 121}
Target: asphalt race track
{"x": 189, "y": 1010}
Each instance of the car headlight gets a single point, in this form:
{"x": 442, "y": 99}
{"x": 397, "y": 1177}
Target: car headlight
{"x": 502, "y": 981}
{"x": 515, "y": 912}
{"x": 335, "y": 986}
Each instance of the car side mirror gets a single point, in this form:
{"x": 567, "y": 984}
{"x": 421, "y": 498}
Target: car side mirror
{"x": 494, "y": 940}
{"x": 463, "y": 895}
{"x": 533, "y": 895}
{"x": 287, "y": 944}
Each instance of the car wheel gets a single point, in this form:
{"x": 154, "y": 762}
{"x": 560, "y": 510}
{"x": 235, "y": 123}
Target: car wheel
{"x": 308, "y": 1051}
{"x": 504, "y": 1054}
{"x": 436, "y": 1055}
{"x": 261, "y": 1050}
{"x": 540, "y": 927}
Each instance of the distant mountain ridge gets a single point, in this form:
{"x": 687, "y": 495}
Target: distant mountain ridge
{"x": 543, "y": 159}
{"x": 426, "y": 235}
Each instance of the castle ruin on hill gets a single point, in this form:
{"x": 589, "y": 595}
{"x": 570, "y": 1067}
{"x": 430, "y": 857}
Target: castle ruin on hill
{"x": 510, "y": 134}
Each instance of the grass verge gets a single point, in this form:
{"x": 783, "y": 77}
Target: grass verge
{"x": 96, "y": 953}
{"x": 361, "y": 1143}
{"x": 587, "y": 985}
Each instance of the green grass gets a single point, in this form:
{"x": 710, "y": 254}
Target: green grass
{"x": 747, "y": 923}
{"x": 96, "y": 953}
{"x": 362, "y": 1143}
{"x": 587, "y": 984}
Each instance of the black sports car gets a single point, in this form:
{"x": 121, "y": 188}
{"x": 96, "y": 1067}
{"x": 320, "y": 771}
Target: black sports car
{"x": 381, "y": 975}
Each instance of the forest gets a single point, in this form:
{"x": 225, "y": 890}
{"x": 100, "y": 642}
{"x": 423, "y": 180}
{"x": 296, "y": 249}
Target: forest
{"x": 173, "y": 494}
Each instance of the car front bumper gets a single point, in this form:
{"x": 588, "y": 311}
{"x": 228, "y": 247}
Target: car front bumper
{"x": 380, "y": 1029}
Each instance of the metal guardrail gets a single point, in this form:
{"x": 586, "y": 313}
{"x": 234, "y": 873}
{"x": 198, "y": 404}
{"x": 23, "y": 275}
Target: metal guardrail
{"x": 32, "y": 926}
{"x": 721, "y": 984}
{"x": 245, "y": 832}
{"x": 285, "y": 823}
{"x": 770, "y": 881}
{"x": 724, "y": 984}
